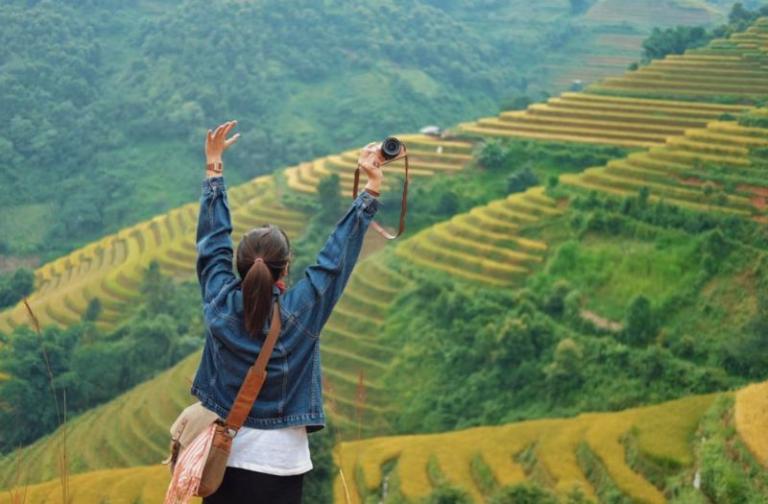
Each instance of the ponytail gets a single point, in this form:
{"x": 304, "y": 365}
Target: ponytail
{"x": 257, "y": 296}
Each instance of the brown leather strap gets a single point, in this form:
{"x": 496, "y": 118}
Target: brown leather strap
{"x": 257, "y": 373}
{"x": 403, "y": 203}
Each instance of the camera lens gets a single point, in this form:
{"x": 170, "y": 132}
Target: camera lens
{"x": 390, "y": 147}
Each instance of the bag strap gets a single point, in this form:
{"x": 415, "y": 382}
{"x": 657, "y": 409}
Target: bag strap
{"x": 254, "y": 380}
{"x": 403, "y": 203}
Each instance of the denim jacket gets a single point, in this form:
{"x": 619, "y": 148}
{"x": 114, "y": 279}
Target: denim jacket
{"x": 292, "y": 392}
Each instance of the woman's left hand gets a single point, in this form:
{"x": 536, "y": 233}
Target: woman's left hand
{"x": 216, "y": 142}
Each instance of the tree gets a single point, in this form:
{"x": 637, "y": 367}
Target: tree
{"x": 640, "y": 325}
{"x": 522, "y": 493}
{"x": 16, "y": 287}
{"x": 564, "y": 373}
{"x": 93, "y": 310}
{"x": 492, "y": 155}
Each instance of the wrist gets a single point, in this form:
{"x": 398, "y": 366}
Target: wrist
{"x": 374, "y": 185}
{"x": 214, "y": 167}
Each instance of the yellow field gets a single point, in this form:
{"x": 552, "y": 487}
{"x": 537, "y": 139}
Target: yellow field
{"x": 662, "y": 431}
{"x": 751, "y": 417}
{"x": 136, "y": 485}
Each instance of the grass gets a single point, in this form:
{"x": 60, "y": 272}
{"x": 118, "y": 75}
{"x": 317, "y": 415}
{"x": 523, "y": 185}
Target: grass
{"x": 610, "y": 272}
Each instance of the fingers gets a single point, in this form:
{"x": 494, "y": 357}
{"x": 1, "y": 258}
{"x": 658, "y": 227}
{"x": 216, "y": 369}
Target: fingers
{"x": 231, "y": 141}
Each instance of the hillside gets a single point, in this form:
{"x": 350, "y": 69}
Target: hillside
{"x": 589, "y": 452}
{"x": 106, "y": 101}
{"x": 646, "y": 106}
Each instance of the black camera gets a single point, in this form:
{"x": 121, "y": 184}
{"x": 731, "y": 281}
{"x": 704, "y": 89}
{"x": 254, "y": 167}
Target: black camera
{"x": 391, "y": 147}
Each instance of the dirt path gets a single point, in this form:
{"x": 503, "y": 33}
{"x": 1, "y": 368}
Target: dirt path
{"x": 600, "y": 322}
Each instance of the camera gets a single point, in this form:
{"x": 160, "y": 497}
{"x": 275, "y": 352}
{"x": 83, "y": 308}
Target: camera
{"x": 391, "y": 147}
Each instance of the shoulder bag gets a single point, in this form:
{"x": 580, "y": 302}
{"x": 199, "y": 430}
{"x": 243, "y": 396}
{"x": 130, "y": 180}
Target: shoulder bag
{"x": 201, "y": 441}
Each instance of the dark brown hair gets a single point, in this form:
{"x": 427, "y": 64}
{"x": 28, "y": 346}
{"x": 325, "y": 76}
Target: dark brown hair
{"x": 262, "y": 255}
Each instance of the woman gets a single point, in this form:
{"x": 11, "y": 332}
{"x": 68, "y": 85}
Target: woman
{"x": 270, "y": 454}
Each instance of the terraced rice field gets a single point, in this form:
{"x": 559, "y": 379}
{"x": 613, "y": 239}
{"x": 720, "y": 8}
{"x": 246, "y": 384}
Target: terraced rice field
{"x": 554, "y": 453}
{"x": 132, "y": 429}
{"x": 751, "y": 416}
{"x": 427, "y": 155}
{"x": 111, "y": 269}
{"x": 645, "y": 107}
{"x": 549, "y": 451}
{"x": 707, "y": 169}
{"x": 354, "y": 357}
{"x": 735, "y": 67}
{"x": 608, "y": 120}
{"x": 485, "y": 244}
{"x": 135, "y": 485}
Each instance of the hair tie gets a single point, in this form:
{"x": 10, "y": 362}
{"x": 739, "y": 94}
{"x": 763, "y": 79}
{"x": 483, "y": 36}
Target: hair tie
{"x": 258, "y": 259}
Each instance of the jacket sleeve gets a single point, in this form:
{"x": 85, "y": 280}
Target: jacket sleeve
{"x": 313, "y": 297}
{"x": 214, "y": 244}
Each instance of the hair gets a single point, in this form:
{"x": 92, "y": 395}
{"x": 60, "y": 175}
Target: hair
{"x": 262, "y": 255}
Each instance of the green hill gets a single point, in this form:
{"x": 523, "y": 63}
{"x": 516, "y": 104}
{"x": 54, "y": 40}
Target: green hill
{"x": 107, "y": 102}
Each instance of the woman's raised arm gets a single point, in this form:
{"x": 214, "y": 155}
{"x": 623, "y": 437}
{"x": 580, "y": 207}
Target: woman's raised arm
{"x": 313, "y": 297}
{"x": 214, "y": 225}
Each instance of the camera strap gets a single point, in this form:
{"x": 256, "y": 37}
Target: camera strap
{"x": 403, "y": 203}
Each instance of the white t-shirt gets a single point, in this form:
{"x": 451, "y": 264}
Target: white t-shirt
{"x": 282, "y": 451}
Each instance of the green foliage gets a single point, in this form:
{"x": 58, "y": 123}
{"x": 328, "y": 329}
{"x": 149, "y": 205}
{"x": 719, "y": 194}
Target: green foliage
{"x": 564, "y": 374}
{"x": 676, "y": 40}
{"x": 521, "y": 180}
{"x": 318, "y": 483}
{"x": 90, "y": 367}
{"x": 594, "y": 469}
{"x": 15, "y": 286}
{"x": 523, "y": 493}
{"x": 640, "y": 325}
{"x": 447, "y": 494}
{"x": 520, "y": 354}
{"x": 92, "y": 311}
{"x": 106, "y": 103}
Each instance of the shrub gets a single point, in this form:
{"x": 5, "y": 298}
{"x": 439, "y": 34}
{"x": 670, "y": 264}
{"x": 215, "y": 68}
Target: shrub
{"x": 522, "y": 493}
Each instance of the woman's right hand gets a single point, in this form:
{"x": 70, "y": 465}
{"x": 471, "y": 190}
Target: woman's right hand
{"x": 370, "y": 161}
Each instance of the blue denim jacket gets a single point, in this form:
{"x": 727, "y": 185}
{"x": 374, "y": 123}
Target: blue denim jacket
{"x": 292, "y": 392}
